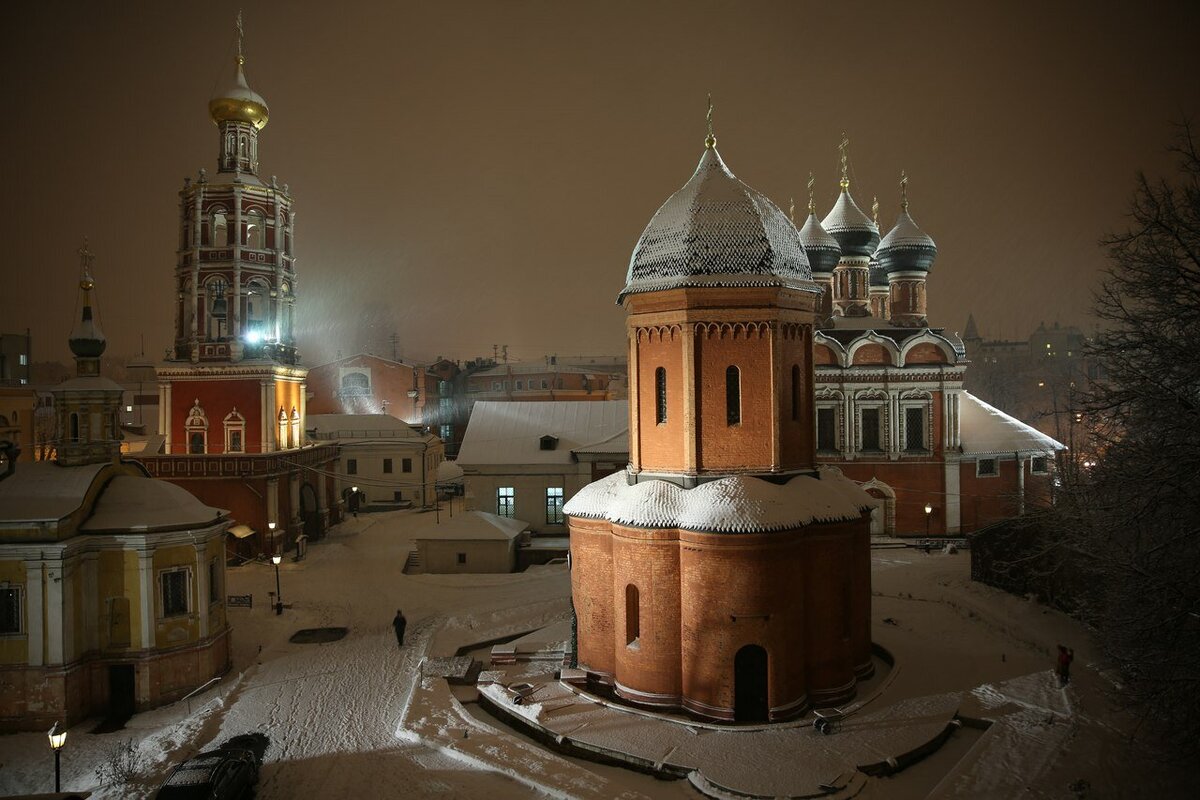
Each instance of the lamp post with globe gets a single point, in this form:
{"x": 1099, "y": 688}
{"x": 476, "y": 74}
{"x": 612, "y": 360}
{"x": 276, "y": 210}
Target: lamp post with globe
{"x": 57, "y": 740}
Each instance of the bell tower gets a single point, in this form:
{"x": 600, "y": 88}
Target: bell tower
{"x": 235, "y": 277}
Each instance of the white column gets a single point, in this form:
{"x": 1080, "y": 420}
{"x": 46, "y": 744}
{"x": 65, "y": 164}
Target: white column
{"x": 162, "y": 407}
{"x": 235, "y": 312}
{"x": 146, "y": 584}
{"x": 303, "y": 412}
{"x": 35, "y": 613}
{"x": 294, "y": 496}
{"x": 264, "y": 414}
{"x": 953, "y": 500}
{"x": 202, "y": 587}
{"x": 1020, "y": 483}
{"x": 54, "y": 612}
{"x": 273, "y": 501}
{"x": 848, "y": 426}
{"x": 271, "y": 422}
{"x": 166, "y": 412}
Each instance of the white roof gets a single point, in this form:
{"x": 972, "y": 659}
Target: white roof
{"x": 360, "y": 426}
{"x": 510, "y": 433}
{"x": 135, "y": 503}
{"x": 987, "y": 430}
{"x": 45, "y": 491}
{"x": 475, "y": 525}
{"x": 737, "y": 504}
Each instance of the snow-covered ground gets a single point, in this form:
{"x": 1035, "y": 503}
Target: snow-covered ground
{"x": 352, "y": 718}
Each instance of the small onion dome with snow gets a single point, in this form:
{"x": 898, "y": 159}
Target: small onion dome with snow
{"x": 237, "y": 102}
{"x": 854, "y": 231}
{"x": 906, "y": 247}
{"x": 737, "y": 504}
{"x": 717, "y": 231}
{"x": 823, "y": 250}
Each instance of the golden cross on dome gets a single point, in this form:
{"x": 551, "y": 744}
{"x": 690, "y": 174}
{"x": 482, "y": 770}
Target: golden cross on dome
{"x": 903, "y": 190}
{"x": 812, "y": 204}
{"x": 845, "y": 181}
{"x": 85, "y": 264}
{"x": 710, "y": 141}
{"x": 875, "y": 210}
{"x": 240, "y": 33}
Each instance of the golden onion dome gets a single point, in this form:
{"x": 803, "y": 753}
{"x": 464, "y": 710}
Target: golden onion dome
{"x": 238, "y": 102}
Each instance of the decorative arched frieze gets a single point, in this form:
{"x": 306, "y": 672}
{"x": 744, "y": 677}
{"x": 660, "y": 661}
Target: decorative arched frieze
{"x": 944, "y": 345}
{"x": 872, "y": 338}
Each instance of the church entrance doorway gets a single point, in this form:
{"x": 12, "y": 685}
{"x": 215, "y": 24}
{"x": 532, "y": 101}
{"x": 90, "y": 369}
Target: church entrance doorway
{"x": 309, "y": 512}
{"x": 750, "y": 684}
{"x": 121, "y": 699}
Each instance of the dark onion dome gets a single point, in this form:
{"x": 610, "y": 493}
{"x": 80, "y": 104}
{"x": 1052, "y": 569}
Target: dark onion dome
{"x": 906, "y": 247}
{"x": 87, "y": 340}
{"x": 878, "y": 275}
{"x": 717, "y": 231}
{"x": 854, "y": 231}
{"x": 823, "y": 250}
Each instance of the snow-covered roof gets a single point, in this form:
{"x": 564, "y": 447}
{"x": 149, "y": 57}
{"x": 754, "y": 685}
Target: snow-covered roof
{"x": 475, "y": 525}
{"x": 449, "y": 472}
{"x": 135, "y": 503}
{"x": 533, "y": 367}
{"x": 617, "y": 443}
{"x": 737, "y": 504}
{"x": 361, "y": 426}
{"x": 986, "y": 430}
{"x": 44, "y": 491}
{"x": 88, "y": 383}
{"x": 510, "y": 433}
{"x": 717, "y": 231}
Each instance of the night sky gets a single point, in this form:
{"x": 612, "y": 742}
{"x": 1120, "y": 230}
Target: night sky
{"x": 470, "y": 174}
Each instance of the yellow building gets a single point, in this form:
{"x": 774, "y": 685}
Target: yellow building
{"x": 111, "y": 583}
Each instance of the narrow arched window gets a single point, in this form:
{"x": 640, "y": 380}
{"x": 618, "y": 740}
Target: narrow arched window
{"x": 660, "y": 395}
{"x": 633, "y": 623}
{"x": 733, "y": 396}
{"x": 795, "y": 392}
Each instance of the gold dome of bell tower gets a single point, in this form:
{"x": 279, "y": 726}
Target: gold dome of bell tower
{"x": 238, "y": 102}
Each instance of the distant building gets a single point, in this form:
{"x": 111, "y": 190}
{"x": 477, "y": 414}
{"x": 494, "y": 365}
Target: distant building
{"x": 232, "y": 394}
{"x": 541, "y": 382}
{"x": 16, "y": 359}
{"x": 391, "y": 464}
{"x": 367, "y": 384}
{"x": 473, "y": 542}
{"x": 112, "y": 584}
{"x": 524, "y": 460}
{"x": 18, "y": 407}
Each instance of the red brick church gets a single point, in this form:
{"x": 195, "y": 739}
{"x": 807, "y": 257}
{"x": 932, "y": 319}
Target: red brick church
{"x": 722, "y": 572}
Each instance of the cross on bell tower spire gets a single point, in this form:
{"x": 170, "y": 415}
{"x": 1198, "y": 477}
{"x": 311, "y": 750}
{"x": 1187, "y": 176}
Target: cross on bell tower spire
{"x": 710, "y": 141}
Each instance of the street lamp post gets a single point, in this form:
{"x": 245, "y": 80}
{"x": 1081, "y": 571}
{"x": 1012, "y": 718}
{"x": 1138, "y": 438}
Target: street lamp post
{"x": 57, "y": 740}
{"x": 275, "y": 559}
{"x": 928, "y": 516}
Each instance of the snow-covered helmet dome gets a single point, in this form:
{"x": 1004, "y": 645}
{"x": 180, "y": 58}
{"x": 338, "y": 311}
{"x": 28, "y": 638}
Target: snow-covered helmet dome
{"x": 823, "y": 250}
{"x": 854, "y": 231}
{"x": 717, "y": 231}
{"x": 906, "y": 247}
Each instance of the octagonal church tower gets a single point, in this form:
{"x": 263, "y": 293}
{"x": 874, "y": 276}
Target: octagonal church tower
{"x": 721, "y": 572}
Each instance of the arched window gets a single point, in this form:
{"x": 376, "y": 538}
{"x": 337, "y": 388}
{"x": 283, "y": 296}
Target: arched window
{"x": 220, "y": 230}
{"x": 254, "y": 311}
{"x": 217, "y": 308}
{"x": 733, "y": 396}
{"x": 633, "y": 622}
{"x": 256, "y": 232}
{"x": 235, "y": 432}
{"x": 795, "y": 392}
{"x": 660, "y": 395}
{"x": 196, "y": 427}
{"x": 283, "y": 428}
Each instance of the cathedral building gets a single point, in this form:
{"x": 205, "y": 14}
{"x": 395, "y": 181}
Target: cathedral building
{"x": 232, "y": 393}
{"x": 111, "y": 583}
{"x": 891, "y": 411}
{"x": 722, "y": 572}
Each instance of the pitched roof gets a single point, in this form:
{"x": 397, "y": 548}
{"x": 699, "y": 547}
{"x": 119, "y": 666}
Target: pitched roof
{"x": 476, "y": 526}
{"x": 985, "y": 429}
{"x": 510, "y": 433}
{"x": 361, "y": 426}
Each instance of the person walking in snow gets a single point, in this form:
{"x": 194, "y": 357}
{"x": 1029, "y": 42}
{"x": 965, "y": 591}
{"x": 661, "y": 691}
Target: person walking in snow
{"x": 399, "y": 623}
{"x": 1065, "y": 656}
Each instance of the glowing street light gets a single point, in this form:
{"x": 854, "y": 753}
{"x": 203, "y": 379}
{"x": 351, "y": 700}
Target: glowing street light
{"x": 928, "y": 516}
{"x": 57, "y": 740}
{"x": 275, "y": 559}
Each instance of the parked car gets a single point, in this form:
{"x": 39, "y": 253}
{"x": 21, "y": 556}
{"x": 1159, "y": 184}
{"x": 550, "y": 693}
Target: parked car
{"x": 228, "y": 773}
